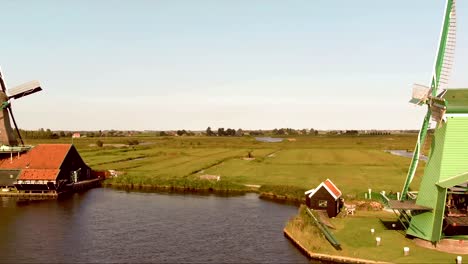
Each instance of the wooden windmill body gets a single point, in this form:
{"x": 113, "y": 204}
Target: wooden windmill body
{"x": 446, "y": 173}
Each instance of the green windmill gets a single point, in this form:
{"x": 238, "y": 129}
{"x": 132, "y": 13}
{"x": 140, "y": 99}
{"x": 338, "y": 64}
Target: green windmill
{"x": 440, "y": 208}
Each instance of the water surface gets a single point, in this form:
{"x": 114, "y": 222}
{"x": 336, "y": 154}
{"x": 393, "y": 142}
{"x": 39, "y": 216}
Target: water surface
{"x": 108, "y": 226}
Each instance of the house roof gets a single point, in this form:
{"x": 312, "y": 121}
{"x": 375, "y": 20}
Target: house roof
{"x": 39, "y": 174}
{"x": 43, "y": 156}
{"x": 329, "y": 186}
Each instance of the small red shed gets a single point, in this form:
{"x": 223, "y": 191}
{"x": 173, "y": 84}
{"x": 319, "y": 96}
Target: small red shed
{"x": 325, "y": 197}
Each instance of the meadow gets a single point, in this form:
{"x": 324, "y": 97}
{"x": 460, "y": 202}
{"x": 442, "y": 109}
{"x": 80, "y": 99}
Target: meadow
{"x": 353, "y": 232}
{"x": 353, "y": 163}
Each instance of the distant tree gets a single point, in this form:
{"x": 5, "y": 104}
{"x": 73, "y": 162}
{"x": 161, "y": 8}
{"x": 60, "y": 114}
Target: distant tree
{"x": 256, "y": 133}
{"x": 351, "y": 132}
{"x": 163, "y": 133}
{"x": 304, "y": 131}
{"x": 221, "y": 131}
{"x": 230, "y": 132}
{"x": 62, "y": 133}
{"x": 313, "y": 132}
{"x": 239, "y": 132}
{"x": 209, "y": 132}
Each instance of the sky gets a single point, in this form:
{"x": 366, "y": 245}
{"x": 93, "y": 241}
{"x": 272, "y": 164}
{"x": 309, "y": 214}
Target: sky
{"x": 250, "y": 64}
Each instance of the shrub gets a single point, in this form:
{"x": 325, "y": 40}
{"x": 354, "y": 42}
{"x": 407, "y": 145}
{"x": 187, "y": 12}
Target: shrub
{"x": 133, "y": 142}
{"x": 99, "y": 143}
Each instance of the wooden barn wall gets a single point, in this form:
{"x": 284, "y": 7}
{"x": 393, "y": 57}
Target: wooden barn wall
{"x": 323, "y": 194}
{"x": 73, "y": 162}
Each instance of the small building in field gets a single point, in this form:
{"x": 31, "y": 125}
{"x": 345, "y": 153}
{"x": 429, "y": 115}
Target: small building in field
{"x": 76, "y": 135}
{"x": 325, "y": 197}
{"x": 45, "y": 168}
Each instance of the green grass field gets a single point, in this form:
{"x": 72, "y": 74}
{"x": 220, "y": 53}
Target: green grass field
{"x": 354, "y": 163}
{"x": 353, "y": 232}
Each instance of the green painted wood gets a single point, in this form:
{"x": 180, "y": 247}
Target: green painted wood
{"x": 448, "y": 160}
{"x": 455, "y": 180}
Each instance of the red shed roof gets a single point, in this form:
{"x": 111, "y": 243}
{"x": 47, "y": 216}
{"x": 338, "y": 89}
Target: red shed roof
{"x": 329, "y": 186}
{"x": 44, "y": 156}
{"x": 38, "y": 174}
{"x": 332, "y": 188}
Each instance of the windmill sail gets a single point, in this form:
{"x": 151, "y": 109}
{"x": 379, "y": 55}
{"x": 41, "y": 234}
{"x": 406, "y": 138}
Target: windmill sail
{"x": 24, "y": 89}
{"x": 446, "y": 47}
{"x": 442, "y": 68}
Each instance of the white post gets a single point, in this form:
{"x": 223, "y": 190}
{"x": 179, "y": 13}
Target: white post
{"x": 365, "y": 195}
{"x": 459, "y": 259}
{"x": 377, "y": 239}
{"x": 372, "y": 231}
{"x": 406, "y": 251}
{"x": 383, "y": 192}
{"x": 398, "y": 195}
{"x": 370, "y": 195}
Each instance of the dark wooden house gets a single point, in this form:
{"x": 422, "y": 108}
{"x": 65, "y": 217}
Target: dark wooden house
{"x": 8, "y": 178}
{"x": 45, "y": 168}
{"x": 325, "y": 197}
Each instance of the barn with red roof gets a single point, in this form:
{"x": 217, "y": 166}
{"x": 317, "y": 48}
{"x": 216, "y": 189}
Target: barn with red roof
{"x": 46, "y": 168}
{"x": 325, "y": 197}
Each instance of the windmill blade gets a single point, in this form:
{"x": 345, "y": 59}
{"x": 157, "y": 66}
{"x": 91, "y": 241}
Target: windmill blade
{"x": 2, "y": 83}
{"x": 446, "y": 50}
{"x": 417, "y": 152}
{"x": 440, "y": 76}
{"x": 420, "y": 94}
{"x": 14, "y": 123}
{"x": 24, "y": 89}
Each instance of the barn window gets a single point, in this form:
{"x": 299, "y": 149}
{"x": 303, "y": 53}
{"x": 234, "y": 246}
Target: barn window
{"x": 322, "y": 203}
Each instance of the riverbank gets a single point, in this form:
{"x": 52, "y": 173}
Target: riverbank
{"x": 176, "y": 189}
{"x": 280, "y": 194}
{"x": 357, "y": 242}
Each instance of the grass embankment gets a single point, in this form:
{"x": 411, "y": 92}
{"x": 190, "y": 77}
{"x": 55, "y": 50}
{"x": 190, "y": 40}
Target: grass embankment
{"x": 353, "y": 232}
{"x": 284, "y": 169}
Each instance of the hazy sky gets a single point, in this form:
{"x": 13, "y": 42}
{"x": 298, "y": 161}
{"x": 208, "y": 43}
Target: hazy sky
{"x": 252, "y": 64}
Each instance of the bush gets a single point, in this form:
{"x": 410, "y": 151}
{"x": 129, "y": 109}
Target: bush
{"x": 99, "y": 143}
{"x": 133, "y": 142}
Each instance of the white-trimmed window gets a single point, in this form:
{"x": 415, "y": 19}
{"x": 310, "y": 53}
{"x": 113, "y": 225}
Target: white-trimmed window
{"x": 322, "y": 203}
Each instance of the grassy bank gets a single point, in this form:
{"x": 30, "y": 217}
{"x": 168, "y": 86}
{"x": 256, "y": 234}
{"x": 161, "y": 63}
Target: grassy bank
{"x": 353, "y": 232}
{"x": 284, "y": 169}
{"x": 176, "y": 184}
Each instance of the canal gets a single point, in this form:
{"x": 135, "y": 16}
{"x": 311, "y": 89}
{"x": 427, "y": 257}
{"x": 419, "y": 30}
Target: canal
{"x": 111, "y": 226}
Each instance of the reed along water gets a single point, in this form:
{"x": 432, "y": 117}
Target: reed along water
{"x": 110, "y": 226}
